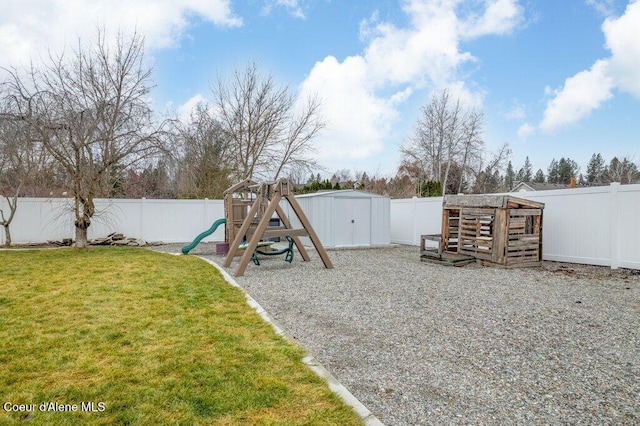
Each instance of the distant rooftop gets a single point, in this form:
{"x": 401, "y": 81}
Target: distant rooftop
{"x": 536, "y": 186}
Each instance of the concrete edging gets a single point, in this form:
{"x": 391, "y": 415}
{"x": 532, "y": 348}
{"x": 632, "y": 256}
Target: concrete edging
{"x": 335, "y": 386}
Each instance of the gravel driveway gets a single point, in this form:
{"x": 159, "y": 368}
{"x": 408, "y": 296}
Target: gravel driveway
{"x": 419, "y": 343}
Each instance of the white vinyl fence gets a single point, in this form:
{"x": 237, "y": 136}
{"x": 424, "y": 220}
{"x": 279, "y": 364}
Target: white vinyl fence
{"x": 39, "y": 219}
{"x": 597, "y": 226}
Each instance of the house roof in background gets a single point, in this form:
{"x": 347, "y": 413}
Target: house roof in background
{"x": 536, "y": 186}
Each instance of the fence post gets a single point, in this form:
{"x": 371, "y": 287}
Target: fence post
{"x": 143, "y": 212}
{"x": 614, "y": 225}
{"x": 413, "y": 220}
{"x": 204, "y": 214}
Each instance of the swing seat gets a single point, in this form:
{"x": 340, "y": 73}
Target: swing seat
{"x": 288, "y": 250}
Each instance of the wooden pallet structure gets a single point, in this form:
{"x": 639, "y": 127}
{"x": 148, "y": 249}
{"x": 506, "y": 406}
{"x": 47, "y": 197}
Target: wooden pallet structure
{"x": 255, "y": 224}
{"x": 438, "y": 255}
{"x": 494, "y": 229}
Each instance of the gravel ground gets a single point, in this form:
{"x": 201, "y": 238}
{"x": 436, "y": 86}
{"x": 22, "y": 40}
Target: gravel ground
{"x": 419, "y": 343}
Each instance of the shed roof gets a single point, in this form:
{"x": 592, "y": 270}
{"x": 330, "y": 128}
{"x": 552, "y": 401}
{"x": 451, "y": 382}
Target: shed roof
{"x": 490, "y": 200}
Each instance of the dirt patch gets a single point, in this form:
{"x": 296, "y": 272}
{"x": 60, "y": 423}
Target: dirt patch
{"x": 591, "y": 271}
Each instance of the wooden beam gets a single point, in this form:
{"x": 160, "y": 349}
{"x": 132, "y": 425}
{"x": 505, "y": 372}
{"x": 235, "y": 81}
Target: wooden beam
{"x": 312, "y": 233}
{"x": 258, "y": 234}
{"x": 296, "y": 239}
{"x": 501, "y": 236}
{"x": 445, "y": 230}
{"x": 284, "y": 232}
{"x": 240, "y": 233}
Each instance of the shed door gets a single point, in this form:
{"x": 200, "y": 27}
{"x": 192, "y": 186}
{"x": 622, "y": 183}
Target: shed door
{"x": 352, "y": 222}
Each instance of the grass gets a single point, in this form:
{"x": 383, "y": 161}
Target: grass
{"x": 157, "y": 339}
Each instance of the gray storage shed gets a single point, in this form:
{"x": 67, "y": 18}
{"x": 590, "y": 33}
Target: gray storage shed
{"x": 347, "y": 218}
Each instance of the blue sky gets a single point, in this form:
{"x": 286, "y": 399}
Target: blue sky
{"x": 553, "y": 78}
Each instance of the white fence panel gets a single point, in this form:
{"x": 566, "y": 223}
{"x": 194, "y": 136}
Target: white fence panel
{"x": 413, "y": 217}
{"x": 576, "y": 224}
{"x": 629, "y": 226}
{"x": 429, "y": 218}
{"x": 599, "y": 226}
{"x": 39, "y": 220}
{"x": 113, "y": 215}
{"x": 402, "y": 220}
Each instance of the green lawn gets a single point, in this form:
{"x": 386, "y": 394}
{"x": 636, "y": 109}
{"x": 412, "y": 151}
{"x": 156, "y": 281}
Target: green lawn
{"x": 149, "y": 338}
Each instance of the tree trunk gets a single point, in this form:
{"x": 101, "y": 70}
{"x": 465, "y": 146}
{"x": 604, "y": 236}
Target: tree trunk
{"x": 81, "y": 235}
{"x": 7, "y": 235}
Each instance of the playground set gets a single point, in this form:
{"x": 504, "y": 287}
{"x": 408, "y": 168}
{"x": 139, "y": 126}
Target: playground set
{"x": 249, "y": 208}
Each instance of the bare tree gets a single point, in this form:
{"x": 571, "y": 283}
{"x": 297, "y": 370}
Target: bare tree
{"x": 489, "y": 179}
{"x": 204, "y": 151}
{"x": 471, "y": 149}
{"x": 22, "y": 160}
{"x": 91, "y": 113}
{"x": 267, "y": 130}
{"x": 624, "y": 171}
{"x": 446, "y": 138}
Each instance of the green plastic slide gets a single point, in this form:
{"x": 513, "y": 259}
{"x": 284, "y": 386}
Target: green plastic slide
{"x": 186, "y": 249}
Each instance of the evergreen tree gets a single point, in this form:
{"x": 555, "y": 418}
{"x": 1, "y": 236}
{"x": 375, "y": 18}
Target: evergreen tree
{"x": 581, "y": 180}
{"x": 539, "y": 177}
{"x": 553, "y": 174}
{"x": 431, "y": 188}
{"x": 520, "y": 175}
{"x": 567, "y": 168}
{"x": 595, "y": 169}
{"x": 509, "y": 177}
{"x": 527, "y": 172}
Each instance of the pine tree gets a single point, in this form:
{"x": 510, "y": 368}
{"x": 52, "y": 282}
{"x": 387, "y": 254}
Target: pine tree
{"x": 581, "y": 180}
{"x": 595, "y": 169}
{"x": 553, "y": 174}
{"x": 567, "y": 168}
{"x": 431, "y": 188}
{"x": 539, "y": 177}
{"x": 527, "y": 172}
{"x": 509, "y": 177}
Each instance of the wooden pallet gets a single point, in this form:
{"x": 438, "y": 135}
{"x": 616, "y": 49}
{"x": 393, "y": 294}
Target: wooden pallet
{"x": 446, "y": 259}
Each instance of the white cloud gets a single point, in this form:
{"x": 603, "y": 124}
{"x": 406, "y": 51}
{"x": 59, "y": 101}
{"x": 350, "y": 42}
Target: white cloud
{"x": 580, "y": 95}
{"x": 517, "y": 112}
{"x": 589, "y": 89}
{"x": 29, "y": 27}
{"x": 500, "y": 17}
{"x": 357, "y": 120}
{"x": 526, "y": 130}
{"x": 184, "y": 111}
{"x": 293, "y": 7}
{"x": 361, "y": 94}
{"x": 605, "y": 7}
{"x": 623, "y": 40}
{"x": 466, "y": 96}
